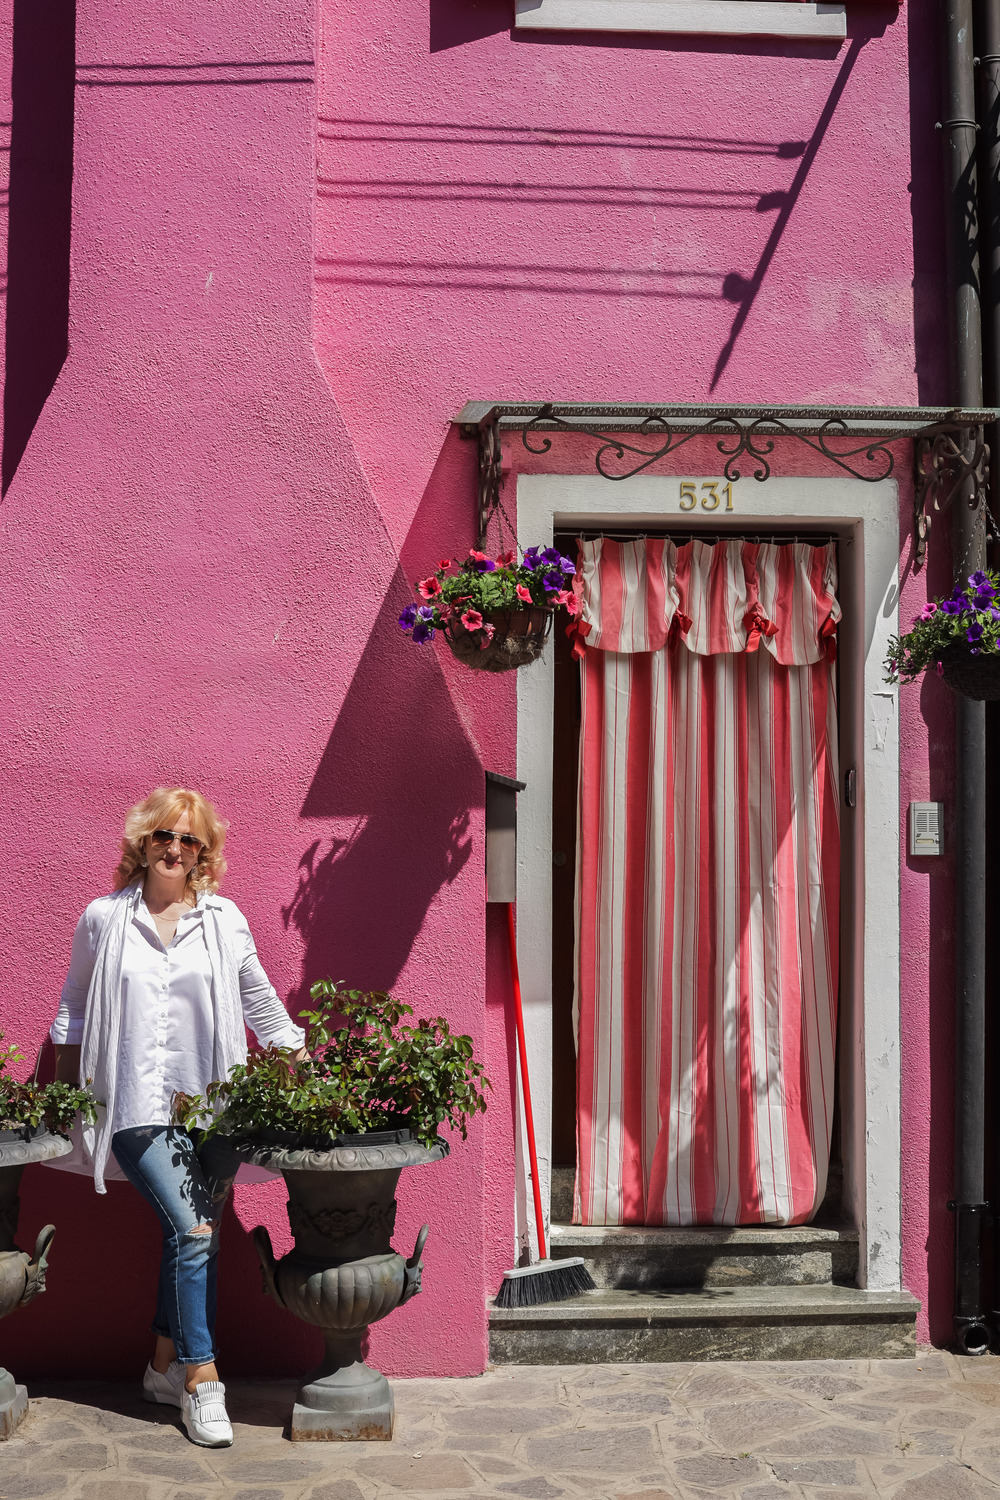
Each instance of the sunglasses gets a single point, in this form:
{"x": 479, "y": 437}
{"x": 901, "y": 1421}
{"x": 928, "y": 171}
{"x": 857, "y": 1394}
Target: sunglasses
{"x": 162, "y": 838}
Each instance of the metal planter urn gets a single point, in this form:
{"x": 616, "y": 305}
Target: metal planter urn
{"x": 343, "y": 1274}
{"x": 22, "y": 1276}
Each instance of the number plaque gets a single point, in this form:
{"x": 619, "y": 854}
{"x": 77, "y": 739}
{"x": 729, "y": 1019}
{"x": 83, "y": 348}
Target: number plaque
{"x": 710, "y": 497}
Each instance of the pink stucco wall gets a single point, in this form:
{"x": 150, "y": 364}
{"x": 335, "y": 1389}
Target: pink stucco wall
{"x": 280, "y": 294}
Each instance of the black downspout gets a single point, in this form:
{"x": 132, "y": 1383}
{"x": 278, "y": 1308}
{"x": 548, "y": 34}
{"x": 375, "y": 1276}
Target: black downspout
{"x": 970, "y": 762}
{"x": 988, "y": 38}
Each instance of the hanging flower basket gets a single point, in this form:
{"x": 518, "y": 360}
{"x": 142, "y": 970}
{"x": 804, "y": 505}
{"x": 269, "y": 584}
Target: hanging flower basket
{"x": 517, "y": 640}
{"x": 972, "y": 676}
{"x": 960, "y": 636}
{"x": 495, "y": 614}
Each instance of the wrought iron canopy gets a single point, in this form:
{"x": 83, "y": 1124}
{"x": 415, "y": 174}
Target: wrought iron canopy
{"x": 950, "y": 453}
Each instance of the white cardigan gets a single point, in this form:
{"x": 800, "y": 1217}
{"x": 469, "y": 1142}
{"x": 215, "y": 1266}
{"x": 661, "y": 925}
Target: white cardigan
{"x": 218, "y": 987}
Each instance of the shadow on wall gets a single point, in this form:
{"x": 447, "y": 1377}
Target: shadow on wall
{"x": 542, "y": 181}
{"x": 38, "y": 246}
{"x": 454, "y": 23}
{"x": 400, "y": 774}
{"x": 743, "y": 289}
{"x": 927, "y": 202}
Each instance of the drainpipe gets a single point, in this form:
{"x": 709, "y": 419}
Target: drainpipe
{"x": 988, "y": 36}
{"x": 959, "y": 130}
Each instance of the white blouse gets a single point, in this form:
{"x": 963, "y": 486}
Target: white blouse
{"x": 167, "y": 1019}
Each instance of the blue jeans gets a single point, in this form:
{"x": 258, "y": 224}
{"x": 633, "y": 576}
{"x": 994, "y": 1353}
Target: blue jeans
{"x": 188, "y": 1186}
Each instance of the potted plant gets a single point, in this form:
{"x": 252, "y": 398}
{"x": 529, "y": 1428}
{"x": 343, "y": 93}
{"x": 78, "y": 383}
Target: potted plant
{"x": 35, "y": 1121}
{"x": 960, "y": 635}
{"x": 31, "y": 1109}
{"x": 340, "y": 1126}
{"x": 495, "y": 614}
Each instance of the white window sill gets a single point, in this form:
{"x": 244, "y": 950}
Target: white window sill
{"x": 793, "y": 18}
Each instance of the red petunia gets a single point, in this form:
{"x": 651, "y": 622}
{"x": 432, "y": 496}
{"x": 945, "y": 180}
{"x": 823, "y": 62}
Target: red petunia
{"x": 472, "y": 619}
{"x": 428, "y": 588}
{"x": 523, "y": 593}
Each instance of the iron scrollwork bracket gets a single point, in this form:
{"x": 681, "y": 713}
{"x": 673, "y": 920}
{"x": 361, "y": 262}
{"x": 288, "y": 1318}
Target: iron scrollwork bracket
{"x": 617, "y": 448}
{"x": 736, "y": 437}
{"x": 950, "y": 454}
{"x": 949, "y": 461}
{"x": 489, "y": 469}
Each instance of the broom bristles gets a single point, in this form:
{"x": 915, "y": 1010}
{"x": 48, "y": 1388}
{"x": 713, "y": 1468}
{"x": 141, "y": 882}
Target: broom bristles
{"x": 549, "y": 1281}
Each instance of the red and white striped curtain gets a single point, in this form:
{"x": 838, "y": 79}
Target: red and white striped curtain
{"x": 708, "y": 869}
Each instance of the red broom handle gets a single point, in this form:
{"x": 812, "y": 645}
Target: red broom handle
{"x": 522, "y": 1053}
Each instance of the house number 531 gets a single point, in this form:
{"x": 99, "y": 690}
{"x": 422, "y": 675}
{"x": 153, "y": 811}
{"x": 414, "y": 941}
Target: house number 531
{"x": 711, "y": 499}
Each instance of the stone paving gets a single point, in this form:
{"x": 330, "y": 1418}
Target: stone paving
{"x": 923, "y": 1429}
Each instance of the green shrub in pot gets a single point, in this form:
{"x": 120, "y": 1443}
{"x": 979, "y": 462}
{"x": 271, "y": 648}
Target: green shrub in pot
{"x": 28, "y": 1108}
{"x": 368, "y": 1070}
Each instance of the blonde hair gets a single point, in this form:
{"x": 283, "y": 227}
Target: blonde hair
{"x": 160, "y": 810}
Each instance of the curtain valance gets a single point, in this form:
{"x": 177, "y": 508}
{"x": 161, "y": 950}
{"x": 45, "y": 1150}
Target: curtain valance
{"x": 727, "y": 597}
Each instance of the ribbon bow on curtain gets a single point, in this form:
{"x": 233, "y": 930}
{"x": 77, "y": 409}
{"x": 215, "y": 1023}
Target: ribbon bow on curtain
{"x": 757, "y": 624}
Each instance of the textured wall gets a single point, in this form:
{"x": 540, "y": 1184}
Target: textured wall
{"x": 206, "y": 543}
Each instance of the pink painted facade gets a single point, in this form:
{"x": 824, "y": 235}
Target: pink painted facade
{"x": 301, "y": 238}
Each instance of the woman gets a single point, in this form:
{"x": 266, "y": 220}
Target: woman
{"x": 162, "y": 977}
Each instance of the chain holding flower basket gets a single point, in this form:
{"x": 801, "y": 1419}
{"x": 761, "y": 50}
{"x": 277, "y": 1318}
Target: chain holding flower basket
{"x": 495, "y": 614}
{"x": 960, "y": 635}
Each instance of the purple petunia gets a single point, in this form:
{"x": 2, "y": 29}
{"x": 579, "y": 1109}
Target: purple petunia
{"x": 408, "y": 618}
{"x": 533, "y": 558}
{"x": 951, "y": 607}
{"x": 423, "y": 631}
{"x": 552, "y": 583}
{"x": 978, "y": 578}
{"x": 425, "y": 612}
{"x": 974, "y": 635}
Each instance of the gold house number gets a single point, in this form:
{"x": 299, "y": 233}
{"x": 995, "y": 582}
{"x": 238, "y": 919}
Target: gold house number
{"x": 710, "y": 501}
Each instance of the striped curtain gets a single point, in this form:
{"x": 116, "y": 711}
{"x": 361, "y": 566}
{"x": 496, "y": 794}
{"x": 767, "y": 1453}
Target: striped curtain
{"x": 708, "y": 867}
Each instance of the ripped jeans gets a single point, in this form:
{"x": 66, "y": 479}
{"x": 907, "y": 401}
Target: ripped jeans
{"x": 187, "y": 1185}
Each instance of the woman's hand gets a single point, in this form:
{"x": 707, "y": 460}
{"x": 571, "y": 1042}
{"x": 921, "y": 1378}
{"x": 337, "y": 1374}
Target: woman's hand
{"x": 301, "y": 1056}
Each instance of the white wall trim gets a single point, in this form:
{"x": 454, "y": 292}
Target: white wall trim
{"x": 704, "y": 17}
{"x": 866, "y": 516}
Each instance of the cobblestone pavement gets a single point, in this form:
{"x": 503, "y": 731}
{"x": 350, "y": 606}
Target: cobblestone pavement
{"x": 923, "y": 1429}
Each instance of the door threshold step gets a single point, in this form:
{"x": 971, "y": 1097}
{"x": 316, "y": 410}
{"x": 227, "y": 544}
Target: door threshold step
{"x": 616, "y": 1326}
{"x": 637, "y": 1257}
{"x": 772, "y": 1235}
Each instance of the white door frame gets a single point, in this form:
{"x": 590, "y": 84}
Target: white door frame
{"x": 866, "y": 519}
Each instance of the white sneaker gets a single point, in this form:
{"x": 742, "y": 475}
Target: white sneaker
{"x": 203, "y": 1412}
{"x": 166, "y": 1388}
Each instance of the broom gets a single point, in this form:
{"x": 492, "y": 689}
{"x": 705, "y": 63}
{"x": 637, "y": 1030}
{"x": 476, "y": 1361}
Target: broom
{"x": 550, "y": 1280}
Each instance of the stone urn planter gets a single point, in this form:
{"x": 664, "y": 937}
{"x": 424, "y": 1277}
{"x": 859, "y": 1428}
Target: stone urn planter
{"x": 22, "y": 1276}
{"x": 343, "y": 1273}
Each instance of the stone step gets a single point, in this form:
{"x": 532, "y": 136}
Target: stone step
{"x": 635, "y": 1258}
{"x": 775, "y": 1322}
